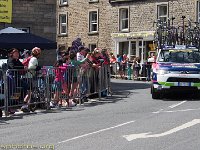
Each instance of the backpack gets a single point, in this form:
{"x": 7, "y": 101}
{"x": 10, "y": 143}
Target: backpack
{"x": 26, "y": 61}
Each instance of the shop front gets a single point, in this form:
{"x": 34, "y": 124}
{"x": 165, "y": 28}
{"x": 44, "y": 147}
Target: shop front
{"x": 134, "y": 44}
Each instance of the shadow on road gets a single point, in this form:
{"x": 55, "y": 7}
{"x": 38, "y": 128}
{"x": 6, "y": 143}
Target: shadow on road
{"x": 180, "y": 96}
{"x": 4, "y": 119}
{"x": 123, "y": 86}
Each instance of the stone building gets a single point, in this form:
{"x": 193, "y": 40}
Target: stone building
{"x": 37, "y": 17}
{"x": 89, "y": 20}
{"x": 124, "y": 26}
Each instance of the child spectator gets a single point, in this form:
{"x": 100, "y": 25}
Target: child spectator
{"x": 58, "y": 82}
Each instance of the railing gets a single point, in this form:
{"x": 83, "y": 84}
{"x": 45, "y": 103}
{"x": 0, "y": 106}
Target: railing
{"x": 130, "y": 71}
{"x": 38, "y": 89}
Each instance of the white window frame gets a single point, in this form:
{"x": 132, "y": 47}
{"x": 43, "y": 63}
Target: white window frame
{"x": 123, "y": 19}
{"x": 94, "y": 22}
{"x": 93, "y": 0}
{"x": 158, "y": 5}
{"x": 63, "y": 2}
{"x": 90, "y": 46}
{"x": 27, "y": 30}
{"x": 61, "y": 24}
{"x": 198, "y": 11}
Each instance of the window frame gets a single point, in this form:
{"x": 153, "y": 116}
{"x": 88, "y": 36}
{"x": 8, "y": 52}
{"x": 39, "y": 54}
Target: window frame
{"x": 93, "y": 1}
{"x": 158, "y": 5}
{"x": 90, "y": 46}
{"x": 61, "y": 3}
{"x": 62, "y": 24}
{"x": 198, "y": 11}
{"x": 25, "y": 29}
{"x": 90, "y": 23}
{"x": 124, "y": 19}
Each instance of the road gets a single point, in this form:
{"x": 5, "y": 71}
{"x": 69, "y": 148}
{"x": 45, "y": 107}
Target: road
{"x": 129, "y": 120}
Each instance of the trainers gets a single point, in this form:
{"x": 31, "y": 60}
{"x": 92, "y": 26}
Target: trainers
{"x": 25, "y": 108}
{"x": 71, "y": 104}
{"x": 53, "y": 104}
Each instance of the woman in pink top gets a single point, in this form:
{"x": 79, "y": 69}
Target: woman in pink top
{"x": 58, "y": 82}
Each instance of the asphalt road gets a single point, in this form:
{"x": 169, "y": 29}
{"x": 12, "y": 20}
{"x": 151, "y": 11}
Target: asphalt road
{"x": 129, "y": 120}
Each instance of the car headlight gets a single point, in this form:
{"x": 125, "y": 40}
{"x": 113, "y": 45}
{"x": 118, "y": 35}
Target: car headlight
{"x": 162, "y": 72}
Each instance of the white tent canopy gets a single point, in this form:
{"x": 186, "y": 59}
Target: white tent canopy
{"x": 11, "y": 30}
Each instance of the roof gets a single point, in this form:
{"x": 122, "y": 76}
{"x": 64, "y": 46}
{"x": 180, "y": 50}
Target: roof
{"x": 11, "y": 30}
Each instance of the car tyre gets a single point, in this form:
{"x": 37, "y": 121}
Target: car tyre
{"x": 155, "y": 94}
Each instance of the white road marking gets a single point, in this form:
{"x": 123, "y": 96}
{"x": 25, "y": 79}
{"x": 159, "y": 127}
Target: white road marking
{"x": 157, "y": 112}
{"x": 172, "y": 106}
{"x": 102, "y": 130}
{"x": 175, "y": 105}
{"x": 184, "y": 110}
{"x": 146, "y": 135}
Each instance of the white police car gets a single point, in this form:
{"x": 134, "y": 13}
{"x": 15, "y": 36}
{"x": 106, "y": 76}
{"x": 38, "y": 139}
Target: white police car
{"x": 176, "y": 69}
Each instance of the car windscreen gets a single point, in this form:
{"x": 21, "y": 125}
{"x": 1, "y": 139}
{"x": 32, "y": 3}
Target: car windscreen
{"x": 180, "y": 56}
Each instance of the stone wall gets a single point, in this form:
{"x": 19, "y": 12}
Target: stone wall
{"x": 38, "y": 15}
{"x": 142, "y": 15}
{"x": 78, "y": 11}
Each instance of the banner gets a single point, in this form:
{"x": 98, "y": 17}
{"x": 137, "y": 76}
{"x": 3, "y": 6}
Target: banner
{"x": 6, "y": 11}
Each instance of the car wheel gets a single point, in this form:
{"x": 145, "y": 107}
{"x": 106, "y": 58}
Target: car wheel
{"x": 154, "y": 93}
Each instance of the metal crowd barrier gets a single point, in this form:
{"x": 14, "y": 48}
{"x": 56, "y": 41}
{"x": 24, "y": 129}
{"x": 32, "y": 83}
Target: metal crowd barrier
{"x": 64, "y": 87}
{"x": 24, "y": 86}
{"x": 2, "y": 95}
{"x": 128, "y": 71}
{"x": 40, "y": 88}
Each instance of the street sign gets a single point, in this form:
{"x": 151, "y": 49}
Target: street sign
{"x": 6, "y": 11}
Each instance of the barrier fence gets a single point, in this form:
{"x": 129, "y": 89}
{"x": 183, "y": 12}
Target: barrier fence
{"x": 39, "y": 89}
{"x": 2, "y": 96}
{"x": 130, "y": 71}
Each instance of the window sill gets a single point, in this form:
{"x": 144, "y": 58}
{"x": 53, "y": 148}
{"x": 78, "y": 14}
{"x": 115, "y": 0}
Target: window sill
{"x": 93, "y": 33}
{"x": 90, "y": 2}
{"x": 124, "y": 31}
{"x": 63, "y": 5}
{"x": 62, "y": 35}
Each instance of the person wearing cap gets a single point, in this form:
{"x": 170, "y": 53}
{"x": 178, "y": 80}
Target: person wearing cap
{"x": 32, "y": 67}
{"x": 33, "y": 63}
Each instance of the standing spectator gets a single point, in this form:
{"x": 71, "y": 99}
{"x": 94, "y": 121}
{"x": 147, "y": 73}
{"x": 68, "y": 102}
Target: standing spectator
{"x": 95, "y": 64}
{"x": 119, "y": 62}
{"x": 105, "y": 56}
{"x": 33, "y": 63}
{"x": 33, "y": 67}
{"x": 75, "y": 45}
{"x": 74, "y": 82}
{"x": 14, "y": 76}
{"x": 113, "y": 61}
{"x": 129, "y": 71}
{"x": 59, "y": 52}
{"x": 58, "y": 83}
{"x": 83, "y": 51}
{"x": 137, "y": 67}
{"x": 124, "y": 65}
